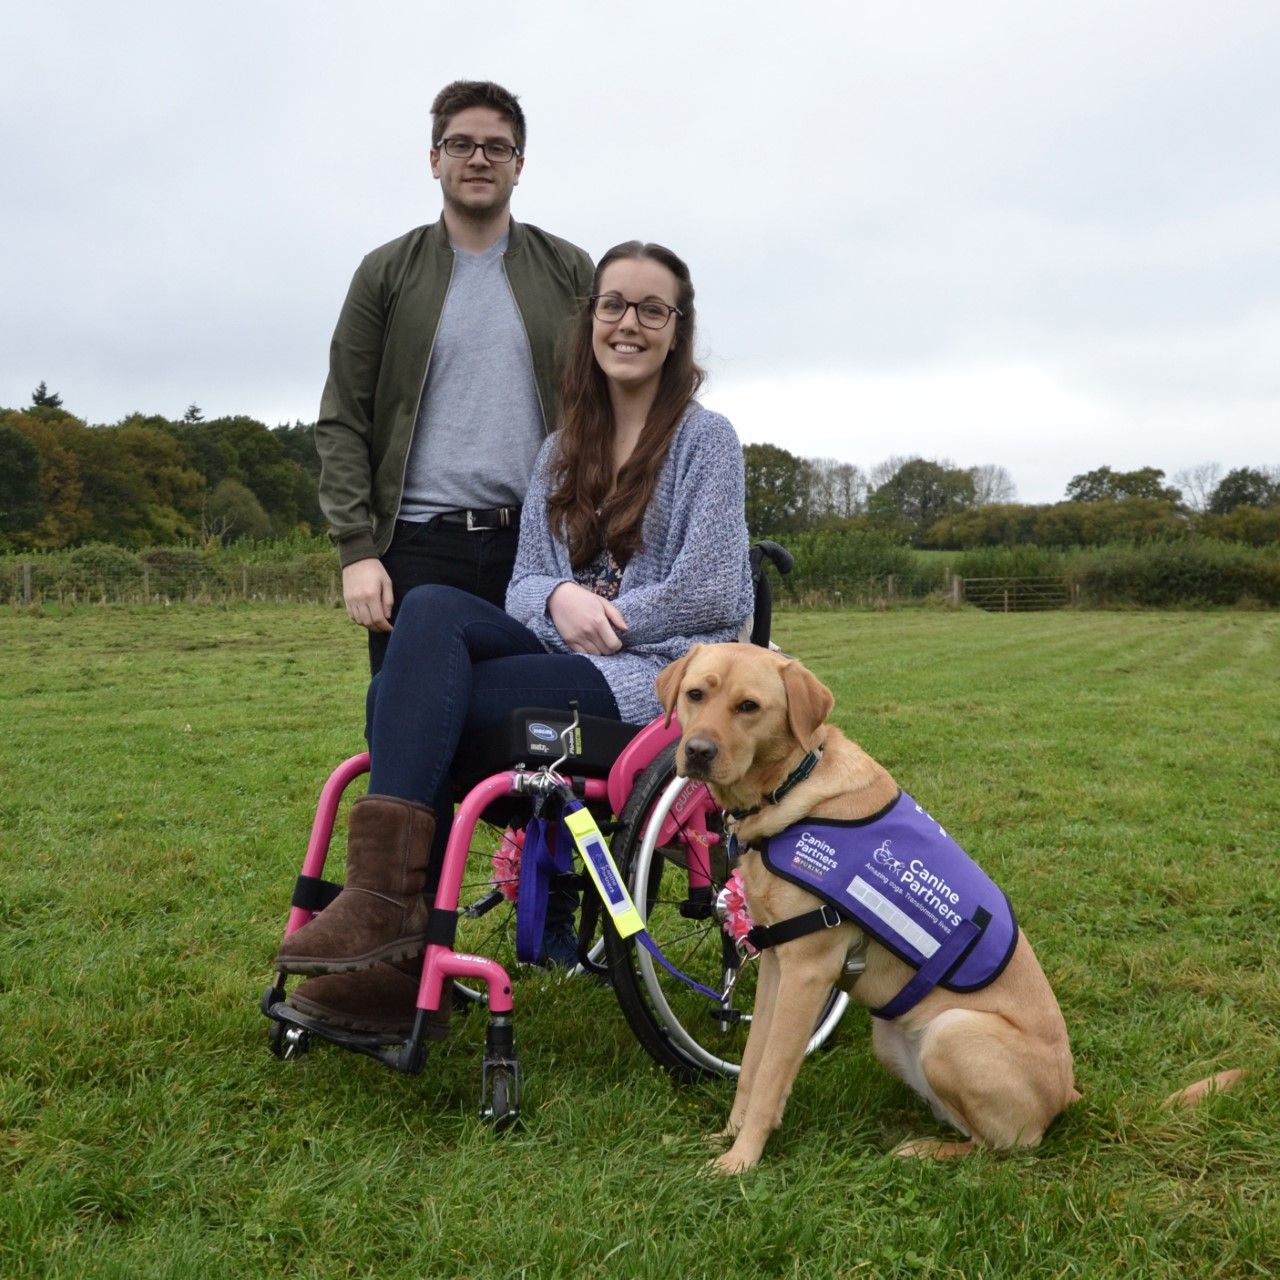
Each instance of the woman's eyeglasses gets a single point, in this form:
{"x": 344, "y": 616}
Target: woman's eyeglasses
{"x": 611, "y": 307}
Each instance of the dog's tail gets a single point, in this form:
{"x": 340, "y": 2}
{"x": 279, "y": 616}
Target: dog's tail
{"x": 1194, "y": 1094}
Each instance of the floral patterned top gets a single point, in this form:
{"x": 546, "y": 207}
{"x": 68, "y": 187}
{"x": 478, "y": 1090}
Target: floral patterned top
{"x": 602, "y": 576}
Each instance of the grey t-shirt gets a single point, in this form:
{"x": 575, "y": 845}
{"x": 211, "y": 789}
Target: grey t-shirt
{"x": 479, "y": 425}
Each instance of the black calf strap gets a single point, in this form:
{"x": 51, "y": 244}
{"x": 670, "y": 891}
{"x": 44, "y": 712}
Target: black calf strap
{"x": 442, "y": 927}
{"x": 313, "y": 894}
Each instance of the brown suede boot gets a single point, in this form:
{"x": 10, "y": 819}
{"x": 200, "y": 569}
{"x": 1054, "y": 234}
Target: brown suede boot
{"x": 383, "y": 999}
{"x": 380, "y": 913}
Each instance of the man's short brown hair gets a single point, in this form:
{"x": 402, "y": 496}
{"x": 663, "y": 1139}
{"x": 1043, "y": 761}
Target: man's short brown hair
{"x": 462, "y": 94}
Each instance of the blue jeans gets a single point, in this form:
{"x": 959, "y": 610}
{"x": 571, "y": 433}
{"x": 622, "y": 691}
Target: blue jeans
{"x": 456, "y": 667}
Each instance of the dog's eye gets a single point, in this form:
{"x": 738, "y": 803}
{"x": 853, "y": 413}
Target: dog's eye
{"x": 693, "y": 695}
{"x": 746, "y": 707}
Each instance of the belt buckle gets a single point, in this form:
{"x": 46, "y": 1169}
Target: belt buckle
{"x": 472, "y": 527}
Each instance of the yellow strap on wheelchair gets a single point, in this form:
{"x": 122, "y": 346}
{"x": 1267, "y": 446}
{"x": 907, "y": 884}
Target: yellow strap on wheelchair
{"x": 604, "y": 871}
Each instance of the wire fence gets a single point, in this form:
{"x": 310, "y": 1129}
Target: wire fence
{"x": 27, "y": 583}
{"x": 34, "y": 581}
{"x": 804, "y": 590}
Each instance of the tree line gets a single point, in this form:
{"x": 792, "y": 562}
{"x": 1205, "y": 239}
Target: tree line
{"x": 153, "y": 481}
{"x": 935, "y": 504}
{"x": 149, "y": 480}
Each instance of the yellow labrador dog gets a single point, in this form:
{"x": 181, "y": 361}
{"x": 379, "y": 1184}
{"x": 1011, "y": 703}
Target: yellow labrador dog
{"x": 993, "y": 1061}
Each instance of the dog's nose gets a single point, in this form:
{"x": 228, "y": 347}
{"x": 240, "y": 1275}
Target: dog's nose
{"x": 699, "y": 753}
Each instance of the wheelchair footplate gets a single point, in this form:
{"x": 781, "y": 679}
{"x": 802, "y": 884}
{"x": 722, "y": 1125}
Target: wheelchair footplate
{"x": 292, "y": 1032}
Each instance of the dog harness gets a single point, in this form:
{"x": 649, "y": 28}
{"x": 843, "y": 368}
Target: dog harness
{"x": 904, "y": 881}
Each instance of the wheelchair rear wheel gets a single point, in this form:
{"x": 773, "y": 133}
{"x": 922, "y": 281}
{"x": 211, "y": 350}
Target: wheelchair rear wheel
{"x": 683, "y": 1030}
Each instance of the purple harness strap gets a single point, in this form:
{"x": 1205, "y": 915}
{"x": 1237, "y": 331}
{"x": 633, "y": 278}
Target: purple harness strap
{"x": 931, "y": 973}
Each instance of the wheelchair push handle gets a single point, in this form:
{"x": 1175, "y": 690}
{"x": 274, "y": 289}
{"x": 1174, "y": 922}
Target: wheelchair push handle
{"x": 775, "y": 553}
{"x": 762, "y": 612}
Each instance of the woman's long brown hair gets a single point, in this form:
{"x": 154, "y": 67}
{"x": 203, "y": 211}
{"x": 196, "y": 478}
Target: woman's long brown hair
{"x": 582, "y": 511}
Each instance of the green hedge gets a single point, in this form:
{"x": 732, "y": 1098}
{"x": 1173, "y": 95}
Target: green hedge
{"x": 1191, "y": 571}
{"x": 855, "y": 567}
{"x": 1009, "y": 562}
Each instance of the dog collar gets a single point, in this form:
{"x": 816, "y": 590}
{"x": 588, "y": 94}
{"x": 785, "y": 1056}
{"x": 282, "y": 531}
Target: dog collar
{"x": 793, "y": 779}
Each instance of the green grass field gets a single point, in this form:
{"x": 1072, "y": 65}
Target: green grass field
{"x": 1116, "y": 772}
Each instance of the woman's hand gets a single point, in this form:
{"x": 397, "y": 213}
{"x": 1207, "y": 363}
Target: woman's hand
{"x": 366, "y": 591}
{"x": 587, "y": 623}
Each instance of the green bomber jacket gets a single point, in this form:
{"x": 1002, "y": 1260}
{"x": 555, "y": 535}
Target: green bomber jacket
{"x": 379, "y": 356}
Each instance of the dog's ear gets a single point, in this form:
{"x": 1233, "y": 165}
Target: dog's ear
{"x": 669, "y": 679}
{"x": 809, "y": 702}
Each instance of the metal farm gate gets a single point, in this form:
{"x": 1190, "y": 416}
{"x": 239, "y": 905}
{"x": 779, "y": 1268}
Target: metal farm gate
{"x": 1017, "y": 595}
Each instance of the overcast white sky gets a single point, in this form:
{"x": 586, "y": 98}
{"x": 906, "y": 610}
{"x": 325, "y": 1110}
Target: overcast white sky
{"x": 1042, "y": 235}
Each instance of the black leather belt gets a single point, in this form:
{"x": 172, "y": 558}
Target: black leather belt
{"x": 479, "y": 521}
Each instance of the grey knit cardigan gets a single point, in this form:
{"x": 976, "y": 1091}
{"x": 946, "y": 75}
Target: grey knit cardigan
{"x": 688, "y": 584}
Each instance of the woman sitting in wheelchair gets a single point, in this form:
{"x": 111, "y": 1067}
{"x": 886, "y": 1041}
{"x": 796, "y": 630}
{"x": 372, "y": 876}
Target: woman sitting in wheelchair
{"x": 633, "y": 548}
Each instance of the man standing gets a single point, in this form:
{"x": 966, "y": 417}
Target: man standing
{"x": 443, "y": 374}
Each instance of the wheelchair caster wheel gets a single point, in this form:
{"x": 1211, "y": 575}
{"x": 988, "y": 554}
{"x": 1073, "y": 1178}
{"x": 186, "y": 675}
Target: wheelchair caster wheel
{"x": 500, "y": 1100}
{"x": 288, "y": 1042}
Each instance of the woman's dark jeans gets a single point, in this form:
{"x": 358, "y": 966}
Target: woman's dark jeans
{"x": 447, "y": 555}
{"x": 456, "y": 667}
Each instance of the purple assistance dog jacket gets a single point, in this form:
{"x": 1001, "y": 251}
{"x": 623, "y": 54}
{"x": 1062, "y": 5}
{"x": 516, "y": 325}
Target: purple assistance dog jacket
{"x": 902, "y": 879}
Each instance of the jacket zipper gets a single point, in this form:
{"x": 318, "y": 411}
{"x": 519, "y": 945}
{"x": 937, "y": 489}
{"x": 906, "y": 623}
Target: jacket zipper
{"x": 528, "y": 345}
{"x": 422, "y": 390}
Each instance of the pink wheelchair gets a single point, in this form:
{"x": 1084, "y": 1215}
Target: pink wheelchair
{"x": 684, "y": 983}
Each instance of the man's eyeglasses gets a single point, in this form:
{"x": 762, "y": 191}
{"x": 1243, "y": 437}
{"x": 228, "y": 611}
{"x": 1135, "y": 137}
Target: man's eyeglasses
{"x": 465, "y": 148}
{"x": 611, "y": 307}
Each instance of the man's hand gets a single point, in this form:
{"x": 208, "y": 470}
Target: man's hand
{"x": 587, "y": 623}
{"x": 366, "y": 591}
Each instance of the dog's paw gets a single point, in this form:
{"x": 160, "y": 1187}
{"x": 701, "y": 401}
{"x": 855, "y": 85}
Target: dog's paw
{"x": 733, "y": 1162}
{"x": 719, "y": 1140}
